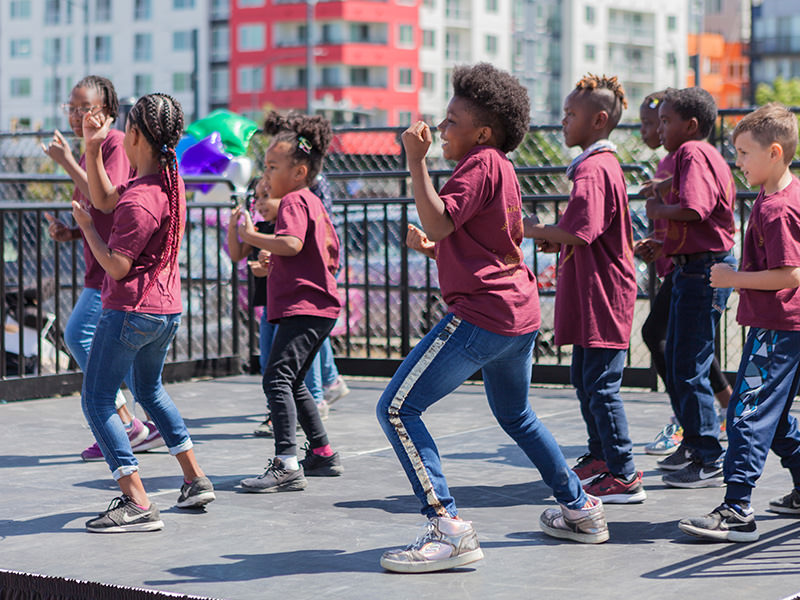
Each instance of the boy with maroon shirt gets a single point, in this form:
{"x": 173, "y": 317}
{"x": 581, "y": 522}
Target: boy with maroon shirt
{"x": 769, "y": 371}
{"x": 596, "y": 286}
{"x": 698, "y": 207}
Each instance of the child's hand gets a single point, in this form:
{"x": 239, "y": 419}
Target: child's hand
{"x": 58, "y": 148}
{"x": 416, "y": 140}
{"x": 257, "y": 268}
{"x": 723, "y": 275}
{"x": 247, "y": 227}
{"x": 648, "y": 249}
{"x": 81, "y": 215}
{"x": 96, "y": 128}
{"x": 417, "y": 240}
{"x": 652, "y": 206}
{"x": 58, "y": 230}
{"x": 236, "y": 214}
{"x": 528, "y": 224}
{"x": 264, "y": 256}
{"x": 549, "y": 247}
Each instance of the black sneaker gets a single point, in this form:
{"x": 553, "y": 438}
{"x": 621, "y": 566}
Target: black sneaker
{"x": 724, "y": 523}
{"x": 277, "y": 478}
{"x": 196, "y": 494}
{"x": 680, "y": 459}
{"x": 321, "y": 466}
{"x": 786, "y": 505}
{"x": 695, "y": 475}
{"x": 123, "y": 516}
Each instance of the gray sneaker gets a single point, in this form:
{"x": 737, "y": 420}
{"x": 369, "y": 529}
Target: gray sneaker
{"x": 123, "y": 516}
{"x": 264, "y": 429}
{"x": 680, "y": 459}
{"x": 277, "y": 478}
{"x": 436, "y": 550}
{"x": 696, "y": 475}
{"x": 588, "y": 527}
{"x": 786, "y": 505}
{"x": 724, "y": 524}
{"x": 196, "y": 494}
{"x": 336, "y": 390}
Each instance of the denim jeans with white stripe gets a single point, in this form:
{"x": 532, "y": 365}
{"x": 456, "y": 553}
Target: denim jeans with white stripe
{"x": 449, "y": 354}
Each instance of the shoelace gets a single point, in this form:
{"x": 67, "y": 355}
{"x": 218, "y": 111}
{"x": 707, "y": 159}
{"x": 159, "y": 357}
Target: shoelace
{"x": 429, "y": 535}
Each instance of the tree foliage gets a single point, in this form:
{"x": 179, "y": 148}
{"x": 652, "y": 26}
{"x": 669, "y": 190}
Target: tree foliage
{"x": 787, "y": 92}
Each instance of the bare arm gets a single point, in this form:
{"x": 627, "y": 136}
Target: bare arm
{"x": 280, "y": 245}
{"x": 236, "y": 248}
{"x": 673, "y": 212}
{"x": 59, "y": 151}
{"x": 102, "y": 193}
{"x": 781, "y": 278}
{"x": 549, "y": 233}
{"x": 115, "y": 264}
{"x": 431, "y": 210}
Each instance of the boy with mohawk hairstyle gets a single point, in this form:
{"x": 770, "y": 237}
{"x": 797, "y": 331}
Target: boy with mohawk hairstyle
{"x": 769, "y": 303}
{"x": 473, "y": 228}
{"x": 596, "y": 287}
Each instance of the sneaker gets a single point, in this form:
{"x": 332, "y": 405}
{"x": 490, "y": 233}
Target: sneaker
{"x": 445, "y": 544}
{"x": 585, "y": 525}
{"x": 277, "y": 478}
{"x": 588, "y": 467}
{"x": 136, "y": 434}
{"x": 786, "y": 505}
{"x": 724, "y": 523}
{"x": 196, "y": 494}
{"x": 666, "y": 442}
{"x": 336, "y": 390}
{"x": 321, "y": 466}
{"x": 122, "y": 516}
{"x": 696, "y": 475}
{"x": 612, "y": 490}
{"x": 680, "y": 459}
{"x": 265, "y": 429}
{"x": 323, "y": 409}
{"x": 152, "y": 440}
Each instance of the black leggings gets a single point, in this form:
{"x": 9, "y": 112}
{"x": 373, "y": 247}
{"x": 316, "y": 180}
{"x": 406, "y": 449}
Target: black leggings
{"x": 654, "y": 334}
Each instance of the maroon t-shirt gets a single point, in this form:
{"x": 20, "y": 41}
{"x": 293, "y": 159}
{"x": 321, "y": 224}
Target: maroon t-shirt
{"x": 304, "y": 284}
{"x": 596, "y": 288}
{"x": 772, "y": 240}
{"x": 704, "y": 183}
{"x": 664, "y": 264}
{"x": 116, "y": 164}
{"x": 139, "y": 231}
{"x": 482, "y": 275}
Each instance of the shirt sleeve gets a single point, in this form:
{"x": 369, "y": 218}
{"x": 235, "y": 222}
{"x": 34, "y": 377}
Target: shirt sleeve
{"x": 133, "y": 228}
{"x": 698, "y": 190}
{"x": 115, "y": 162}
{"x": 588, "y": 214}
{"x": 292, "y": 218}
{"x": 465, "y": 193}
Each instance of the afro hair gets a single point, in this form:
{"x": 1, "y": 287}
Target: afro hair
{"x": 694, "y": 103}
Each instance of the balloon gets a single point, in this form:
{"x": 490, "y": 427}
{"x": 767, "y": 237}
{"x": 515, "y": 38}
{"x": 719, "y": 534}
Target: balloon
{"x": 239, "y": 171}
{"x": 234, "y": 129}
{"x": 186, "y": 142}
{"x": 218, "y": 193}
{"x": 206, "y": 157}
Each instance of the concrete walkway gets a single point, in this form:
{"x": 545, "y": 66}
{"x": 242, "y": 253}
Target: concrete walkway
{"x": 325, "y": 542}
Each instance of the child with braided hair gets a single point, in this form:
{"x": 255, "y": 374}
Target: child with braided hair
{"x": 301, "y": 298}
{"x": 141, "y": 304}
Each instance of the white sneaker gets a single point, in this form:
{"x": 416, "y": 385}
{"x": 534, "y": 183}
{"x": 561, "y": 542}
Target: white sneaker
{"x": 446, "y": 543}
{"x": 336, "y": 390}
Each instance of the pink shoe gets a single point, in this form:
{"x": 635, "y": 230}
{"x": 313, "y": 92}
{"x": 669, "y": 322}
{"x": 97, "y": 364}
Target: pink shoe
{"x": 136, "y": 434}
{"x": 92, "y": 453}
{"x": 152, "y": 440}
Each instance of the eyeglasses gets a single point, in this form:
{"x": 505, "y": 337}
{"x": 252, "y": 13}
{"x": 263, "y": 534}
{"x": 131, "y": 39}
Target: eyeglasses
{"x": 81, "y": 111}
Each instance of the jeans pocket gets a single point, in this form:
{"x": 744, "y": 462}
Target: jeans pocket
{"x": 482, "y": 345}
{"x": 139, "y": 329}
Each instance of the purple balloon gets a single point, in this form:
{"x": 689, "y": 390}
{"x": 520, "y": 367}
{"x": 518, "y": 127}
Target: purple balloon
{"x": 206, "y": 157}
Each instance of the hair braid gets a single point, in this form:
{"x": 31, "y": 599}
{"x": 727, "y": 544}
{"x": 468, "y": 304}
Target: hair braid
{"x": 160, "y": 119}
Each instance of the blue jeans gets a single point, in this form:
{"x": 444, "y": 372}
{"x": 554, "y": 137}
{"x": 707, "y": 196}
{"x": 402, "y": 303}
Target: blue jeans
{"x": 266, "y": 333}
{"x": 596, "y": 374}
{"x": 758, "y": 414}
{"x": 450, "y": 353}
{"x": 328, "y": 369}
{"x": 80, "y": 330}
{"x": 126, "y": 341}
{"x": 694, "y": 314}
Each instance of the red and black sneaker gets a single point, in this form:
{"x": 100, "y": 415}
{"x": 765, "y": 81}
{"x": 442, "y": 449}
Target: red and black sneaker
{"x": 616, "y": 491}
{"x": 588, "y": 468}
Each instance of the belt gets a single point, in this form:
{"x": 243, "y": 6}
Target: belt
{"x": 682, "y": 259}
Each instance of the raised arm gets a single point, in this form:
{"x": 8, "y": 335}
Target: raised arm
{"x": 102, "y": 193}
{"x": 60, "y": 152}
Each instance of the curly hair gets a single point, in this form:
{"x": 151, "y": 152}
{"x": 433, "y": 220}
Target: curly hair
{"x": 499, "y": 100}
{"x": 694, "y": 103}
{"x": 308, "y": 136}
{"x": 654, "y": 100}
{"x": 771, "y": 124}
{"x": 606, "y": 93}
{"x": 159, "y": 118}
{"x": 105, "y": 89}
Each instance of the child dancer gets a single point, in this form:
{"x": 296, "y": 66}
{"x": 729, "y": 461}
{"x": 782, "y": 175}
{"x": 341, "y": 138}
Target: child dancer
{"x": 698, "y": 209}
{"x": 141, "y": 304}
{"x": 596, "y": 288}
{"x": 474, "y": 230}
{"x": 95, "y": 95}
{"x": 769, "y": 303}
{"x": 301, "y": 298}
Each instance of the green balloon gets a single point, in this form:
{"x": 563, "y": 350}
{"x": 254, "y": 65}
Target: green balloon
{"x": 234, "y": 130}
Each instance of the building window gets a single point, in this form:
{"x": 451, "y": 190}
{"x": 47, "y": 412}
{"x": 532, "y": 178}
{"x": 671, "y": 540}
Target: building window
{"x": 250, "y": 3}
{"x": 143, "y": 47}
{"x": 405, "y": 35}
{"x": 219, "y": 85}
{"x": 142, "y": 84}
{"x": 20, "y": 9}
{"x": 181, "y": 41}
{"x": 250, "y": 79}
{"x": 428, "y": 38}
{"x": 429, "y": 3}
{"x": 672, "y": 23}
{"x": 220, "y": 9}
{"x": 20, "y": 48}
{"x": 181, "y": 82}
{"x": 52, "y": 12}
{"x": 102, "y": 49}
{"x": 404, "y": 118}
{"x": 102, "y": 12}
{"x": 219, "y": 44}
{"x": 359, "y": 76}
{"x": 250, "y": 38}
{"x": 52, "y": 89}
{"x": 404, "y": 78}
{"x": 331, "y": 77}
{"x": 142, "y": 10}
{"x": 491, "y": 44}
{"x": 52, "y": 51}
{"x": 428, "y": 80}
{"x": 20, "y": 87}
{"x": 491, "y": 6}
{"x": 182, "y": 4}
{"x": 589, "y": 51}
{"x": 590, "y": 14}
{"x": 672, "y": 61}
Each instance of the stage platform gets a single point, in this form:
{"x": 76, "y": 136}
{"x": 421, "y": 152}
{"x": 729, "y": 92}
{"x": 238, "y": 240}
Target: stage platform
{"x": 325, "y": 542}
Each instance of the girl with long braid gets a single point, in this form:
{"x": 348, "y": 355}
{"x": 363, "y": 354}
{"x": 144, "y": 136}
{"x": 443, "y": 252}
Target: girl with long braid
{"x": 141, "y": 305}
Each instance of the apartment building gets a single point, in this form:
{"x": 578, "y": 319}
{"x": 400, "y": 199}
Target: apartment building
{"x": 775, "y": 42}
